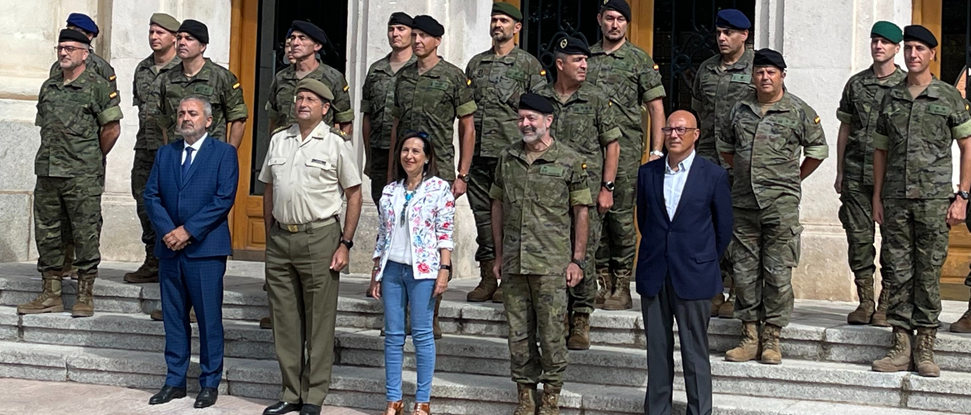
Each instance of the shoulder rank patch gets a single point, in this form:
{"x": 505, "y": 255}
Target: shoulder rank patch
{"x": 112, "y": 77}
{"x": 236, "y": 85}
{"x": 542, "y": 73}
{"x": 112, "y": 95}
{"x": 816, "y": 120}
{"x": 278, "y": 129}
{"x": 655, "y": 67}
{"x": 346, "y": 87}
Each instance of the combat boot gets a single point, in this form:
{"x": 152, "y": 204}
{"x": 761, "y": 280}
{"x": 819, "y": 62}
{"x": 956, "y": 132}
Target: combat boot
{"x": 926, "y": 366}
{"x": 963, "y": 325}
{"x": 84, "y": 306}
{"x": 879, "y": 318}
{"x": 497, "y": 296}
{"x": 550, "y": 403}
{"x": 266, "y": 323}
{"x": 605, "y": 288}
{"x": 864, "y": 312}
{"x": 146, "y": 273}
{"x": 527, "y": 399}
{"x": 771, "y": 351}
{"x": 898, "y": 358}
{"x": 716, "y": 303}
{"x": 727, "y": 309}
{"x": 49, "y": 300}
{"x": 748, "y": 347}
{"x": 487, "y": 284}
{"x": 620, "y": 299}
{"x": 579, "y": 332}
{"x": 436, "y": 330}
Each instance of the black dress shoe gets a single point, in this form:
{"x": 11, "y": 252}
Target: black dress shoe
{"x": 281, "y": 408}
{"x": 167, "y": 393}
{"x": 310, "y": 410}
{"x": 207, "y": 397}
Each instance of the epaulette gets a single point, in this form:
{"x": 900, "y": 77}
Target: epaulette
{"x": 340, "y": 133}
{"x": 278, "y": 129}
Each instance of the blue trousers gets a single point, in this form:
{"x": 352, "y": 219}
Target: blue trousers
{"x": 192, "y": 282}
{"x": 399, "y": 290}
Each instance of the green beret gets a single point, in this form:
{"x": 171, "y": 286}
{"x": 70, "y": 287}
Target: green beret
{"x": 887, "y": 31}
{"x": 508, "y": 10}
{"x": 317, "y": 87}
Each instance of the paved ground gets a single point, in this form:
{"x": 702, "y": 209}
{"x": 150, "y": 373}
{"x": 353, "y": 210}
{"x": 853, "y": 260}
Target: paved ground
{"x": 52, "y": 398}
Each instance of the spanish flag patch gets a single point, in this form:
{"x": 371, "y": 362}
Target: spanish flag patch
{"x": 542, "y": 73}
{"x": 112, "y": 95}
{"x": 236, "y": 85}
{"x": 816, "y": 120}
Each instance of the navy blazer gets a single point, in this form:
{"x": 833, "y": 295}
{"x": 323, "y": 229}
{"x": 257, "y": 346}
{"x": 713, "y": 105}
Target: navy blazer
{"x": 201, "y": 203}
{"x": 689, "y": 247}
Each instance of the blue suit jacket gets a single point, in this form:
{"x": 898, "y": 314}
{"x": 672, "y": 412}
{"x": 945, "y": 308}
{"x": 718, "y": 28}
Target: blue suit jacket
{"x": 687, "y": 248}
{"x": 201, "y": 202}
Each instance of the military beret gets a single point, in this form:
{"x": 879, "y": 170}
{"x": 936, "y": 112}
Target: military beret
{"x": 768, "y": 57}
{"x": 619, "y": 6}
{"x": 508, "y": 10}
{"x": 311, "y": 30}
{"x": 920, "y": 34}
{"x": 572, "y": 46}
{"x": 732, "y": 19}
{"x": 428, "y": 25}
{"x": 71, "y": 35}
{"x": 400, "y": 18}
{"x": 535, "y": 102}
{"x": 197, "y": 29}
{"x": 317, "y": 87}
{"x": 82, "y": 21}
{"x": 887, "y": 31}
{"x": 165, "y": 22}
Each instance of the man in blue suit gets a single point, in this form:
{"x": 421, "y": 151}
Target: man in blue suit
{"x": 684, "y": 214}
{"x": 188, "y": 197}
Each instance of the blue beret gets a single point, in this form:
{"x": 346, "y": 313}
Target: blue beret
{"x": 572, "y": 46}
{"x": 535, "y": 102}
{"x": 732, "y": 19}
{"x": 82, "y": 21}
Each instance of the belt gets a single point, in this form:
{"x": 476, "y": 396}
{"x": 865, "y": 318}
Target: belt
{"x": 317, "y": 224}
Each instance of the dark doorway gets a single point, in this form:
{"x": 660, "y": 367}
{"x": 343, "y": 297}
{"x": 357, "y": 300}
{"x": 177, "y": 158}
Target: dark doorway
{"x": 955, "y": 31}
{"x": 547, "y": 21}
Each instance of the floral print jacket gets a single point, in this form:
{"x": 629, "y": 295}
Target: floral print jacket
{"x": 431, "y": 213}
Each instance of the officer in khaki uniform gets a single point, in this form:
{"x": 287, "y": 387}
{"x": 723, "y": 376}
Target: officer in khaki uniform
{"x": 308, "y": 168}
{"x": 762, "y": 140}
{"x": 78, "y": 116}
{"x": 540, "y": 198}
{"x": 499, "y": 77}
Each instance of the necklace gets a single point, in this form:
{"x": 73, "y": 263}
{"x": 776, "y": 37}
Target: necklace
{"x": 404, "y": 209}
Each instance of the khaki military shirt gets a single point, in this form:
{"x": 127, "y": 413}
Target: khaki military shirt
{"x": 630, "y": 78}
{"x": 860, "y": 108}
{"x": 378, "y": 100}
{"x": 537, "y": 201}
{"x": 587, "y": 124}
{"x": 431, "y": 102}
{"x": 70, "y": 118}
{"x": 213, "y": 82}
{"x": 309, "y": 175}
{"x": 149, "y": 136}
{"x": 917, "y": 135}
{"x": 283, "y": 91}
{"x": 97, "y": 64}
{"x": 767, "y": 148}
{"x": 714, "y": 92}
{"x": 497, "y": 83}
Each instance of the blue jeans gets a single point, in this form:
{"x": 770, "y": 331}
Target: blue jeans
{"x": 400, "y": 290}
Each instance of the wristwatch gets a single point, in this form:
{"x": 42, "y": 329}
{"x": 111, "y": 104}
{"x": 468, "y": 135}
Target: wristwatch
{"x": 464, "y": 177}
{"x": 580, "y": 263}
{"x": 347, "y": 243}
{"x": 608, "y": 185}
{"x": 962, "y": 194}
{"x": 658, "y": 153}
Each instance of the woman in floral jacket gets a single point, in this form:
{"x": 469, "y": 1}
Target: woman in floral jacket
{"x": 412, "y": 263}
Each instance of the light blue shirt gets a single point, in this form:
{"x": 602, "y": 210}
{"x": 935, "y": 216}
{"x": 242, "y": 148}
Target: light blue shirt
{"x": 674, "y": 183}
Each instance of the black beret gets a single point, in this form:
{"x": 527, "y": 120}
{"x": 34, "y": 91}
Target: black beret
{"x": 400, "y": 18}
{"x": 920, "y": 34}
{"x": 732, "y": 19}
{"x": 619, "y": 6}
{"x": 535, "y": 102}
{"x": 428, "y": 25}
{"x": 572, "y": 46}
{"x": 508, "y": 10}
{"x": 197, "y": 29}
{"x": 309, "y": 29}
{"x": 71, "y": 35}
{"x": 82, "y": 21}
{"x": 768, "y": 57}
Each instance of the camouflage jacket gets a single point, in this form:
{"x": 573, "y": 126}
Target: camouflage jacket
{"x": 213, "y": 82}
{"x": 378, "y": 99}
{"x": 860, "y": 108}
{"x": 96, "y": 63}
{"x": 713, "y": 94}
{"x": 283, "y": 90}
{"x": 149, "y": 136}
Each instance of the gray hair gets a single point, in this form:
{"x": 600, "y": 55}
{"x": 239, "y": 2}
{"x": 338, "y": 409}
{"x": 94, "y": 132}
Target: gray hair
{"x": 206, "y": 106}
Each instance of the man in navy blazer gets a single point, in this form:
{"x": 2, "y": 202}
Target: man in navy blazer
{"x": 189, "y": 194}
{"x": 684, "y": 214}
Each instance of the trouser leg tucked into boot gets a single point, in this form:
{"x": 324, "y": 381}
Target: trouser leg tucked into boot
{"x": 748, "y": 347}
{"x": 550, "y": 404}
{"x": 579, "y": 332}
{"x": 84, "y": 306}
{"x": 620, "y": 299}
{"x": 49, "y": 300}
{"x": 879, "y": 318}
{"x": 605, "y": 286}
{"x": 926, "y": 366}
{"x": 864, "y": 312}
{"x": 527, "y": 399}
{"x": 963, "y": 325}
{"x": 771, "y": 350}
{"x": 898, "y": 357}
{"x": 487, "y": 284}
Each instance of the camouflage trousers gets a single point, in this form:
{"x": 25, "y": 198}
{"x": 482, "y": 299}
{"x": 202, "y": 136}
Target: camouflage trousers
{"x": 377, "y": 170}
{"x": 856, "y": 215}
{"x": 583, "y": 295}
{"x": 80, "y": 199}
{"x": 618, "y": 240}
{"x": 535, "y": 309}
{"x": 481, "y": 176}
{"x": 765, "y": 249}
{"x": 140, "y": 170}
{"x": 915, "y": 239}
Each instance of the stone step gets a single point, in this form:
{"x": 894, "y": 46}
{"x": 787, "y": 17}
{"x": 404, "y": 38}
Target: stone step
{"x": 452, "y": 393}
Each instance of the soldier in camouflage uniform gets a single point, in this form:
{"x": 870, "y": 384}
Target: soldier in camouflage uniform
{"x": 630, "y": 78}
{"x": 919, "y": 119}
{"x": 161, "y": 38}
{"x": 540, "y": 198}
{"x": 585, "y": 121}
{"x": 858, "y": 112}
{"x": 722, "y": 81}
{"x": 499, "y": 77}
{"x": 762, "y": 140}
{"x": 78, "y": 114}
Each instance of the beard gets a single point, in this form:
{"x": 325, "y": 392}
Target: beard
{"x": 531, "y": 137}
{"x": 500, "y": 37}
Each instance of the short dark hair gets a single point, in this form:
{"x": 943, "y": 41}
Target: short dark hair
{"x": 430, "y": 169}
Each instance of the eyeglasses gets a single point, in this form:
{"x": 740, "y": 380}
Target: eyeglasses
{"x": 679, "y": 130}
{"x": 68, "y": 49}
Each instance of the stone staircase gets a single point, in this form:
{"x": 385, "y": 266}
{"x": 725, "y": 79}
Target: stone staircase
{"x": 826, "y": 366}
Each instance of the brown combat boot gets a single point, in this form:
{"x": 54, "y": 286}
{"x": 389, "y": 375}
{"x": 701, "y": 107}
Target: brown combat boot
{"x": 579, "y": 332}
{"x": 771, "y": 351}
{"x": 864, "y": 312}
{"x": 963, "y": 325}
{"x": 926, "y": 366}
{"x": 620, "y": 299}
{"x": 527, "y": 399}
{"x": 436, "y": 330}
{"x": 146, "y": 273}
{"x": 879, "y": 318}
{"x": 550, "y": 403}
{"x": 605, "y": 284}
{"x": 898, "y": 357}
{"x": 84, "y": 306}
{"x": 49, "y": 300}
{"x": 266, "y": 323}
{"x": 748, "y": 347}
{"x": 497, "y": 296}
{"x": 727, "y": 309}
{"x": 487, "y": 284}
{"x": 716, "y": 303}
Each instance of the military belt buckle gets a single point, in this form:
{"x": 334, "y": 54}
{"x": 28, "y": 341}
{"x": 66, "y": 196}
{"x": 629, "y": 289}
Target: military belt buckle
{"x": 292, "y": 228}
